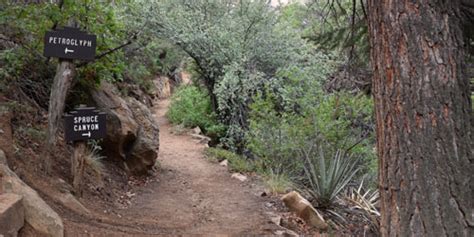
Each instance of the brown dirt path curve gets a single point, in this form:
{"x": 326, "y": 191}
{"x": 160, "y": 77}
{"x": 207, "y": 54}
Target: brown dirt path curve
{"x": 191, "y": 197}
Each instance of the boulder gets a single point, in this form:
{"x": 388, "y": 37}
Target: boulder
{"x": 12, "y": 216}
{"x": 37, "y": 213}
{"x": 303, "y": 208}
{"x": 144, "y": 151}
{"x": 132, "y": 132}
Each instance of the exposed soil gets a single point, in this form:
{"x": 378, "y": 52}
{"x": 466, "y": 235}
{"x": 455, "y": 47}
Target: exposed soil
{"x": 188, "y": 195}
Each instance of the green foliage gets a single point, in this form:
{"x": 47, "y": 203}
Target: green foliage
{"x": 116, "y": 23}
{"x": 338, "y": 26}
{"x": 190, "y": 106}
{"x": 326, "y": 177}
{"x": 237, "y": 47}
{"x": 236, "y": 163}
{"x": 277, "y": 183}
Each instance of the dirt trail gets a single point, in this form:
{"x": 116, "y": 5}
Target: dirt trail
{"x": 191, "y": 197}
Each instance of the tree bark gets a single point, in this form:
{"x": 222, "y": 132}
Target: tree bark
{"x": 62, "y": 82}
{"x": 424, "y": 118}
{"x": 78, "y": 166}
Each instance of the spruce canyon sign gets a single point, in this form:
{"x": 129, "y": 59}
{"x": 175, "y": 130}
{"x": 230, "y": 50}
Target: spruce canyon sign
{"x": 84, "y": 124}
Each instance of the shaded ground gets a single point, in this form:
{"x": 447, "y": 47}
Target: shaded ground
{"x": 188, "y": 195}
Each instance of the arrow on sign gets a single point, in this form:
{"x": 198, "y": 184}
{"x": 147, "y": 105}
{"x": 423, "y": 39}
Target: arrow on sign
{"x": 68, "y": 51}
{"x": 87, "y": 134}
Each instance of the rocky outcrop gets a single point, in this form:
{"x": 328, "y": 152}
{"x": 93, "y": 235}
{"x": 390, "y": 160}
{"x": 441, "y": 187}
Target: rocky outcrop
{"x": 163, "y": 87}
{"x": 12, "y": 215}
{"x": 303, "y": 208}
{"x": 132, "y": 132}
{"x": 37, "y": 213}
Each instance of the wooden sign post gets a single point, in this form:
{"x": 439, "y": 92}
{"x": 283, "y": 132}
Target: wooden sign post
{"x": 67, "y": 44}
{"x": 81, "y": 125}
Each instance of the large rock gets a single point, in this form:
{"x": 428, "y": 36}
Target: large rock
{"x": 144, "y": 150}
{"x": 132, "y": 132}
{"x": 12, "y": 215}
{"x": 37, "y": 213}
{"x": 303, "y": 208}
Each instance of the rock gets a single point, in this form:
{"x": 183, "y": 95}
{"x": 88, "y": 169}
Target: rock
{"x": 37, "y": 213}
{"x": 163, "y": 87}
{"x": 202, "y": 139}
{"x": 132, "y": 132}
{"x": 196, "y": 130}
{"x": 121, "y": 126}
{"x": 224, "y": 163}
{"x": 12, "y": 215}
{"x": 144, "y": 151}
{"x": 286, "y": 233}
{"x": 303, "y": 208}
{"x": 69, "y": 201}
{"x": 239, "y": 176}
{"x": 274, "y": 218}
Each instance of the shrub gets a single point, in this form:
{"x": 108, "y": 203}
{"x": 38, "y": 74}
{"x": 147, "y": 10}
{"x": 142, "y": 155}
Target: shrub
{"x": 190, "y": 106}
{"x": 340, "y": 120}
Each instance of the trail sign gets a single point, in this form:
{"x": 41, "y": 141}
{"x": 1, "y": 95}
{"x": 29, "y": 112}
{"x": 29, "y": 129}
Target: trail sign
{"x": 69, "y": 43}
{"x": 84, "y": 124}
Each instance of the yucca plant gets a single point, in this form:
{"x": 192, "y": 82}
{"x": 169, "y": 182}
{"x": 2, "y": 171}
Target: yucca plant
{"x": 325, "y": 177}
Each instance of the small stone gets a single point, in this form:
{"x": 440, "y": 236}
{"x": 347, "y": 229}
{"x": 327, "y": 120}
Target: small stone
{"x": 196, "y": 130}
{"x": 224, "y": 163}
{"x": 239, "y": 176}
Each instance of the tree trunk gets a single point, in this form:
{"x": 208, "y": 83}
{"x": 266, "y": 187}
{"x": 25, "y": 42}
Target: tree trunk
{"x": 424, "y": 118}
{"x": 62, "y": 82}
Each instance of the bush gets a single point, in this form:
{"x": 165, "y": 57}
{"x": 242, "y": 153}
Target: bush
{"x": 190, "y": 106}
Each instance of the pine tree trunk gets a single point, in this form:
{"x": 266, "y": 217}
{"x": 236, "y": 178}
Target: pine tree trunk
{"x": 424, "y": 118}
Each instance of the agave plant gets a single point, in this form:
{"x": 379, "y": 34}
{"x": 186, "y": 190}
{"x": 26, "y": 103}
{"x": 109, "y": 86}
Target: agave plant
{"x": 325, "y": 177}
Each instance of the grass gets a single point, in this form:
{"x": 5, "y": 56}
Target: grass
{"x": 277, "y": 183}
{"x": 93, "y": 160}
{"x": 236, "y": 163}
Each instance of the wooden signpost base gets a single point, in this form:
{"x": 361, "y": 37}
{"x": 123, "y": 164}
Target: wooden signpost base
{"x": 78, "y": 166}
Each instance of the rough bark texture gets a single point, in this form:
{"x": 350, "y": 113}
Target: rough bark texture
{"x": 62, "y": 82}
{"x": 424, "y": 118}
{"x": 78, "y": 165}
